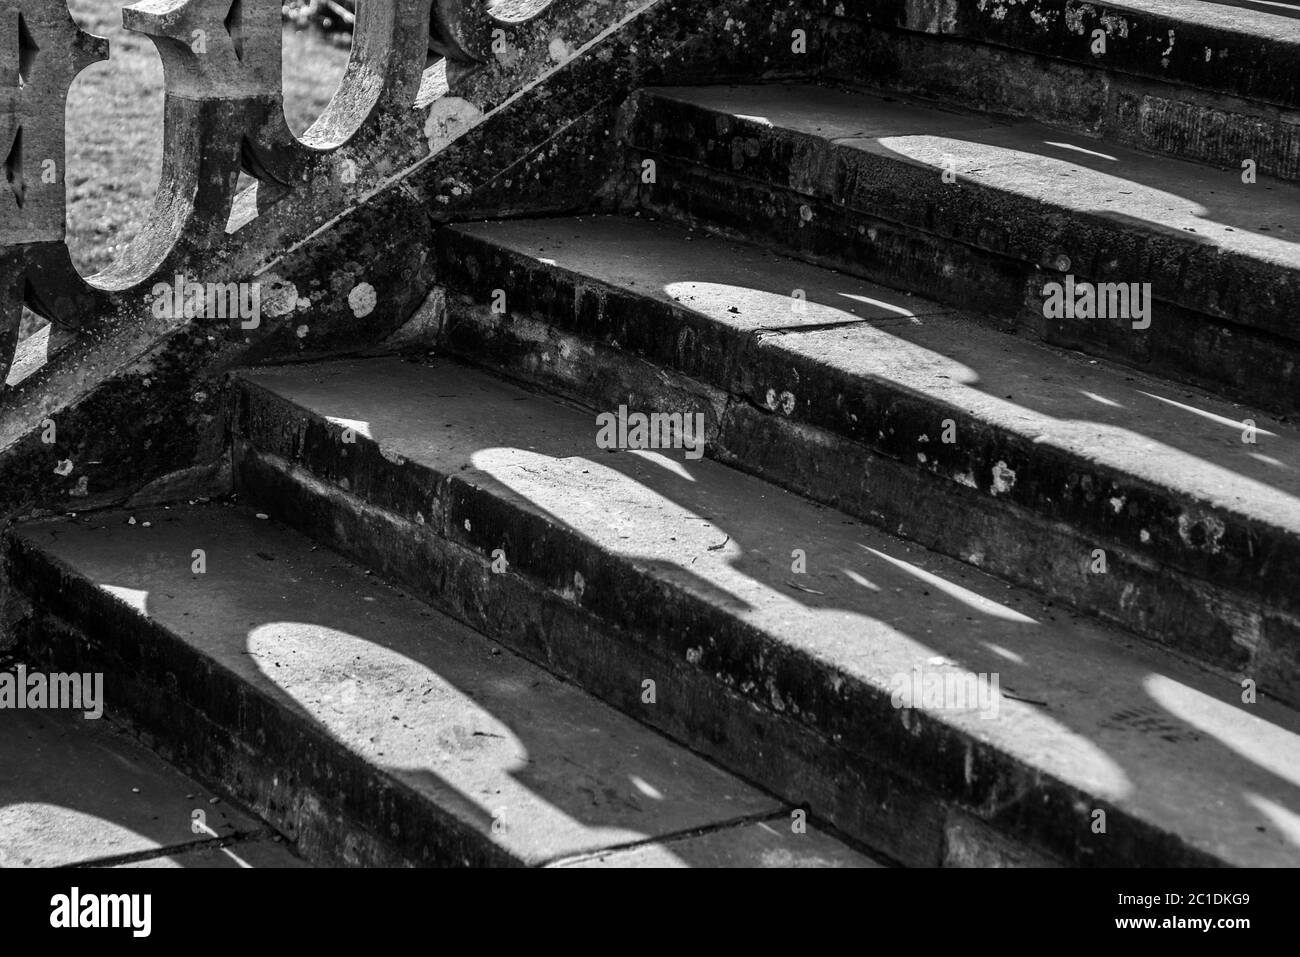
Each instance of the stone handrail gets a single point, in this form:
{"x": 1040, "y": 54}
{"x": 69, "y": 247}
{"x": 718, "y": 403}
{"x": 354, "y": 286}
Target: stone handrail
{"x": 448, "y": 110}
{"x": 223, "y": 115}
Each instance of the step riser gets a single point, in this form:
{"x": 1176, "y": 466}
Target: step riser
{"x": 1218, "y": 321}
{"x": 213, "y": 725}
{"x": 416, "y": 532}
{"x": 1050, "y": 557}
{"x": 1249, "y": 366}
{"x": 1145, "y": 114}
{"x": 1181, "y": 270}
{"x": 1254, "y": 57}
{"x": 874, "y": 804}
{"x": 1041, "y": 540}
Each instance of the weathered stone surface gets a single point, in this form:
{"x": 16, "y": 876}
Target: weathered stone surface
{"x": 42, "y": 53}
{"x": 880, "y": 804}
{"x": 1195, "y": 527}
{"x": 530, "y": 133}
{"x": 245, "y": 854}
{"x": 1202, "y": 238}
{"x": 1244, "y": 51}
{"x": 78, "y": 791}
{"x": 528, "y": 115}
{"x": 684, "y": 570}
{"x": 345, "y": 713}
{"x": 865, "y": 192}
{"x": 969, "y": 842}
{"x": 213, "y": 48}
{"x": 762, "y": 844}
{"x": 1086, "y": 98}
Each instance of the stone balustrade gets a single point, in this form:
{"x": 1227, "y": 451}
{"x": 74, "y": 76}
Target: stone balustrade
{"x": 223, "y": 116}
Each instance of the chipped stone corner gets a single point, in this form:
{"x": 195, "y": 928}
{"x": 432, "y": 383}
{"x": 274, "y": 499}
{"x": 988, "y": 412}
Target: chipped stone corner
{"x": 424, "y": 328}
{"x": 213, "y": 480}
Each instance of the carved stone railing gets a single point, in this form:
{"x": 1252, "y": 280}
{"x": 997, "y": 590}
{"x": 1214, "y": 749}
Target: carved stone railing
{"x": 223, "y": 114}
{"x": 449, "y": 109}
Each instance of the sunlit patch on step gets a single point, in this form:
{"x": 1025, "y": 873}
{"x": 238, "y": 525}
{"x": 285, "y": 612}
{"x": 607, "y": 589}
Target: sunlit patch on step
{"x": 369, "y": 696}
{"x": 1080, "y": 149}
{"x": 664, "y": 462}
{"x": 1234, "y": 424}
{"x": 576, "y": 490}
{"x": 976, "y": 601}
{"x": 1004, "y": 653}
{"x": 36, "y": 817}
{"x": 1254, "y": 738}
{"x": 1283, "y": 819}
{"x": 134, "y": 597}
{"x": 475, "y": 735}
{"x": 855, "y": 577}
{"x": 646, "y": 788}
{"x": 353, "y": 427}
{"x": 880, "y": 304}
{"x": 1101, "y": 399}
{"x": 749, "y": 308}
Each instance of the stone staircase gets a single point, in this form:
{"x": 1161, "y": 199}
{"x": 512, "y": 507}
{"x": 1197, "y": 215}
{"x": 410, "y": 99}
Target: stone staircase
{"x": 364, "y": 726}
{"x": 428, "y": 616}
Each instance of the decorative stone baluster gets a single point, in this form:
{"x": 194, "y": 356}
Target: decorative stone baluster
{"x": 221, "y": 64}
{"x": 462, "y": 31}
{"x": 384, "y": 71}
{"x": 223, "y": 114}
{"x": 41, "y": 52}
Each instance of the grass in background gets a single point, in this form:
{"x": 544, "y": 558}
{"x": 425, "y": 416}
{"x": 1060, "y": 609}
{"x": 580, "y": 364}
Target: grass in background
{"x": 115, "y": 114}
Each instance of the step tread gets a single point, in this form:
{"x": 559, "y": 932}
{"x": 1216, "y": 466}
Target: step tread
{"x": 98, "y": 796}
{"x": 250, "y": 855}
{"x": 1169, "y": 436}
{"x": 1044, "y": 165}
{"x": 1107, "y": 715}
{"x": 736, "y": 847}
{"x": 425, "y": 701}
{"x": 1233, "y": 16}
{"x": 1242, "y": 48}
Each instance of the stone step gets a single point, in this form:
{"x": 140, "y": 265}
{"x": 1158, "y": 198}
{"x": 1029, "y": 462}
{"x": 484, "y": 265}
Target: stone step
{"x": 81, "y": 792}
{"x": 245, "y": 856}
{"x": 358, "y": 721}
{"x": 985, "y": 214}
{"x": 762, "y": 843}
{"x": 1015, "y": 457}
{"x": 778, "y": 637}
{"x": 1209, "y": 81}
